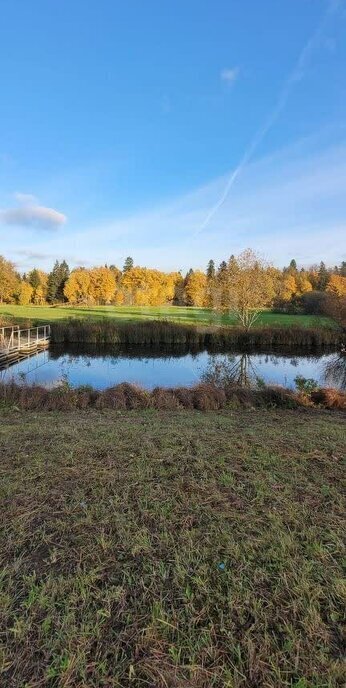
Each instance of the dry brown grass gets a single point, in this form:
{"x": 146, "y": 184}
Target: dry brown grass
{"x": 123, "y": 396}
{"x": 329, "y": 398}
{"x": 203, "y": 397}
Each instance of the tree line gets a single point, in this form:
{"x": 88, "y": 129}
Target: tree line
{"x": 244, "y": 282}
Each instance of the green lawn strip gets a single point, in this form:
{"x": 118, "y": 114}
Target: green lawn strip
{"x": 47, "y": 314}
{"x": 172, "y": 549}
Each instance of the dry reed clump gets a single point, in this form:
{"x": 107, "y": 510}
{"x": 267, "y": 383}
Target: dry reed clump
{"x": 164, "y": 399}
{"x": 208, "y": 397}
{"x": 35, "y": 397}
{"x": 136, "y": 397}
{"x": 32, "y": 398}
{"x": 239, "y": 396}
{"x": 184, "y": 395}
{"x": 113, "y": 397}
{"x": 203, "y": 397}
{"x": 277, "y": 397}
{"x": 85, "y": 397}
{"x": 329, "y": 398}
{"x": 29, "y": 398}
{"x": 61, "y": 399}
{"x": 123, "y": 396}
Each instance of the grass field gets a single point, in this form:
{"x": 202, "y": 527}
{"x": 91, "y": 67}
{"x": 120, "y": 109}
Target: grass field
{"x": 47, "y": 314}
{"x": 172, "y": 549}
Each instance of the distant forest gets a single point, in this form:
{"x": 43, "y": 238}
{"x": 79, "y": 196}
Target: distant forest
{"x": 291, "y": 289}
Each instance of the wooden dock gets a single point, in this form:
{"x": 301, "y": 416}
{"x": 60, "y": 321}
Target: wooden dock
{"x": 17, "y": 344}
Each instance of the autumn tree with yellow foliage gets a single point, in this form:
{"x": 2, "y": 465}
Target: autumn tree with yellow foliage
{"x": 337, "y": 285}
{"x": 288, "y": 288}
{"x": 24, "y": 293}
{"x": 195, "y": 288}
{"x": 147, "y": 287}
{"x": 77, "y": 287}
{"x": 102, "y": 285}
{"x": 9, "y": 281}
{"x": 303, "y": 283}
{"x": 251, "y": 288}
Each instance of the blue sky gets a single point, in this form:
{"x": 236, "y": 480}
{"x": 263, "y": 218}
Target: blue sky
{"x": 172, "y": 130}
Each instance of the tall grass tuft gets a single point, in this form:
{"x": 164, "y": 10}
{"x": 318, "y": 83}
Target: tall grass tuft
{"x": 329, "y": 398}
{"x": 123, "y": 396}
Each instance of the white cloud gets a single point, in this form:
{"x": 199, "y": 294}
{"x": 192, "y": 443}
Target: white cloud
{"x": 31, "y": 214}
{"x": 230, "y": 74}
{"x": 36, "y": 255}
{"x": 24, "y": 198}
{"x": 28, "y": 259}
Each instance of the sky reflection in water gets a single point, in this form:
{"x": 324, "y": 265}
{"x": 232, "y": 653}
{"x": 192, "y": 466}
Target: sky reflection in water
{"x": 104, "y": 370}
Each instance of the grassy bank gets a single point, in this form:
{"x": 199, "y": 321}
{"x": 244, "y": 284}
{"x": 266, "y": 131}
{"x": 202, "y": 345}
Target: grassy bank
{"x": 172, "y": 549}
{"x": 180, "y": 314}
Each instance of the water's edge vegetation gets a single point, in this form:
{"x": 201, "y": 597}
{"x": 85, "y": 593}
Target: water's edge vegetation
{"x": 202, "y": 397}
{"x": 161, "y": 334}
{"x": 164, "y": 336}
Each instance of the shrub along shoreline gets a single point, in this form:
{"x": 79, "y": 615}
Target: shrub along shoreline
{"x": 163, "y": 334}
{"x": 202, "y": 397}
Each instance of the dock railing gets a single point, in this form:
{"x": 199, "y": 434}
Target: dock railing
{"x": 14, "y": 339}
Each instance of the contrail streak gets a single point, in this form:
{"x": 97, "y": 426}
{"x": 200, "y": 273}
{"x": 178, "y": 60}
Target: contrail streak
{"x": 296, "y": 75}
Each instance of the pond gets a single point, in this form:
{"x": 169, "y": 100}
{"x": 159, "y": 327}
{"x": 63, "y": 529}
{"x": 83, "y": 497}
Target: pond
{"x": 103, "y": 369}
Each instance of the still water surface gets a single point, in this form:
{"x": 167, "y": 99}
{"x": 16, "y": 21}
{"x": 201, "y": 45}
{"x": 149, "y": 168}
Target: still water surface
{"x": 101, "y": 370}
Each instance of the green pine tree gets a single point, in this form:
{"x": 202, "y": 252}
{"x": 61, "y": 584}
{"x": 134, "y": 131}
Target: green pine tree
{"x": 128, "y": 265}
{"x": 34, "y": 278}
{"x": 211, "y": 270}
{"x": 52, "y": 283}
{"x": 63, "y": 274}
{"x": 323, "y": 276}
{"x": 56, "y": 282}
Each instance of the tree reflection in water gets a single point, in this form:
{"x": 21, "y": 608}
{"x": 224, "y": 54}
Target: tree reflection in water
{"x": 235, "y": 370}
{"x": 335, "y": 371}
